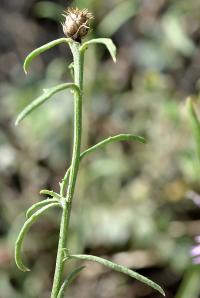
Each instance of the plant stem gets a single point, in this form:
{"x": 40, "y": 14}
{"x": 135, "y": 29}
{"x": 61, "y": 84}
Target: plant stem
{"x": 64, "y": 225}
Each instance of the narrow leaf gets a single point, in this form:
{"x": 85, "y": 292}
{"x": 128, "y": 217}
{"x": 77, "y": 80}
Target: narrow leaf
{"x": 121, "y": 269}
{"x": 64, "y": 182}
{"x": 106, "y": 41}
{"x": 190, "y": 286}
{"x": 44, "y": 97}
{"x": 117, "y": 138}
{"x": 195, "y": 124}
{"x": 23, "y": 232}
{"x": 72, "y": 275}
{"x": 38, "y": 205}
{"x": 42, "y": 49}
{"x": 50, "y": 193}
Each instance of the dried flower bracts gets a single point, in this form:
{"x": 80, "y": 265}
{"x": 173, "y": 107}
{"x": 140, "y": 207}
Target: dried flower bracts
{"x": 76, "y": 23}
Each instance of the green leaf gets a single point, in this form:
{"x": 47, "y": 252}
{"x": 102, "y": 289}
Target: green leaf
{"x": 190, "y": 286}
{"x": 23, "y": 232}
{"x": 64, "y": 181}
{"x": 44, "y": 97}
{"x": 119, "y": 268}
{"x": 195, "y": 124}
{"x": 117, "y": 138}
{"x": 72, "y": 275}
{"x": 106, "y": 41}
{"x": 38, "y": 205}
{"x": 42, "y": 49}
{"x": 51, "y": 193}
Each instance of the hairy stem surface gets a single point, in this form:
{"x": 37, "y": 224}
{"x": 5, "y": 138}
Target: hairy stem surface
{"x": 78, "y": 80}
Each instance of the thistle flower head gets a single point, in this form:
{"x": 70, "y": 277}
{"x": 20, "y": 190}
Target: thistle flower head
{"x": 76, "y": 23}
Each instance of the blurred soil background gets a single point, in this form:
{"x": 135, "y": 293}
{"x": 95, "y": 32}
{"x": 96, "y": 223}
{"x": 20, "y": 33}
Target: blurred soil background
{"x": 132, "y": 200}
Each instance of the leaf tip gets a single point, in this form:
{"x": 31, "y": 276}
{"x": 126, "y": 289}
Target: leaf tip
{"x": 21, "y": 266}
{"x": 114, "y": 55}
{"x": 18, "y": 120}
{"x": 25, "y": 69}
{"x": 142, "y": 140}
{"x": 162, "y": 292}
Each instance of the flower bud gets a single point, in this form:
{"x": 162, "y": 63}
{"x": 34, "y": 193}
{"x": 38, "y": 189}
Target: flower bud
{"x": 76, "y": 23}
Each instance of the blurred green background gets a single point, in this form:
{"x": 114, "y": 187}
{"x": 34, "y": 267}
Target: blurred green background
{"x": 131, "y": 202}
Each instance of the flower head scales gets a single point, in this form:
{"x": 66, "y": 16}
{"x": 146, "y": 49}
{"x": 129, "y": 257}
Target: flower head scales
{"x": 77, "y": 23}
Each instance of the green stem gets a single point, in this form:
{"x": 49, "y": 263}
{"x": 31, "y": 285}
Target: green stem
{"x": 78, "y": 80}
